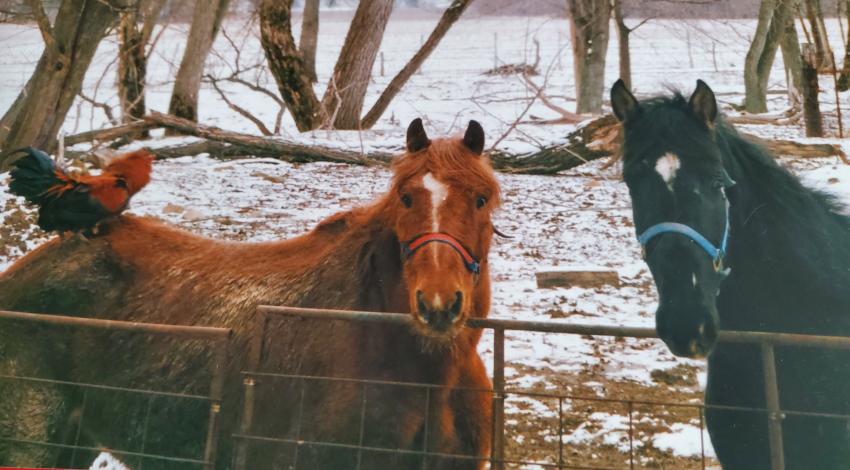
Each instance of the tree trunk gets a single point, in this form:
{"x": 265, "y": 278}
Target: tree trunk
{"x": 811, "y": 104}
{"x": 11, "y": 115}
{"x": 287, "y": 64}
{"x": 823, "y": 52}
{"x": 792, "y": 58}
{"x": 844, "y": 78}
{"x": 623, "y": 32}
{"x": 70, "y": 45}
{"x": 309, "y": 37}
{"x": 773, "y": 16}
{"x": 343, "y": 100}
{"x": 132, "y": 59}
{"x": 589, "y": 35}
{"x": 450, "y": 16}
{"x": 206, "y": 21}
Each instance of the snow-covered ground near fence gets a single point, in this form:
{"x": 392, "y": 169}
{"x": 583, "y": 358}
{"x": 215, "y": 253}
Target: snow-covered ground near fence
{"x": 579, "y": 218}
{"x": 106, "y": 461}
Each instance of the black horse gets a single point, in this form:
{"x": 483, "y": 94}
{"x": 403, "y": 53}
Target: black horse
{"x": 734, "y": 241}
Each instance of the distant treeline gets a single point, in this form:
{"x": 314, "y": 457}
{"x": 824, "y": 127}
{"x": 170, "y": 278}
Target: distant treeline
{"x": 637, "y": 8}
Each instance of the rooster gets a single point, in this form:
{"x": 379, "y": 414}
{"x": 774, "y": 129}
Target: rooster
{"x": 78, "y": 202}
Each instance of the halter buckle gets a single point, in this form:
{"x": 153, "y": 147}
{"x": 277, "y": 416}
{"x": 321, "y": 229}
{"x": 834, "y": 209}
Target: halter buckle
{"x": 718, "y": 263}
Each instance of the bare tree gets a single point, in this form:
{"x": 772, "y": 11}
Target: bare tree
{"x": 814, "y": 13}
{"x": 70, "y": 44}
{"x": 772, "y": 25}
{"x": 310, "y": 37}
{"x": 792, "y": 58}
{"x": 206, "y": 21}
{"x": 844, "y": 79}
{"x": 287, "y": 64}
{"x": 589, "y": 34}
{"x": 450, "y": 16}
{"x": 624, "y": 49}
{"x": 811, "y": 105}
{"x": 343, "y": 100}
{"x": 133, "y": 58}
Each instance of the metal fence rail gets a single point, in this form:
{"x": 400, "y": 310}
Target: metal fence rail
{"x": 498, "y": 459}
{"x": 220, "y": 339}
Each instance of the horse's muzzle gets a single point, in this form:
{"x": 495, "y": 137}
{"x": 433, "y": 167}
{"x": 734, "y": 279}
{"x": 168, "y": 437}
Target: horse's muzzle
{"x": 437, "y": 315}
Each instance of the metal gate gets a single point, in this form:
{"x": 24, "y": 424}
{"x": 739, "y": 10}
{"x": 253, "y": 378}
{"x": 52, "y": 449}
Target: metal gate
{"x": 498, "y": 458}
{"x": 220, "y": 341}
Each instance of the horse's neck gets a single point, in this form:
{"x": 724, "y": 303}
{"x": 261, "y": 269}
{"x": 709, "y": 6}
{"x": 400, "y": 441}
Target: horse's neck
{"x": 786, "y": 269}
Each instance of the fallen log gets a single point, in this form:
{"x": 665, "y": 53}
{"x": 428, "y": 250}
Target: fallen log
{"x": 110, "y": 133}
{"x": 588, "y": 279}
{"x": 595, "y": 139}
{"x": 285, "y": 150}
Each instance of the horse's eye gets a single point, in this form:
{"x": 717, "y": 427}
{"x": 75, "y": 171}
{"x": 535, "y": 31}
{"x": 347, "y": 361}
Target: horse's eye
{"x": 407, "y": 200}
{"x": 479, "y": 203}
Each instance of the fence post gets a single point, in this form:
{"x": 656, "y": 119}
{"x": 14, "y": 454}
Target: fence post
{"x": 221, "y": 356}
{"x": 774, "y": 414}
{"x": 497, "y": 453}
{"x": 255, "y": 355}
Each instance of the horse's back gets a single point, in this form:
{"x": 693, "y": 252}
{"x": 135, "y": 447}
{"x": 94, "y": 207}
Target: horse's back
{"x": 71, "y": 276}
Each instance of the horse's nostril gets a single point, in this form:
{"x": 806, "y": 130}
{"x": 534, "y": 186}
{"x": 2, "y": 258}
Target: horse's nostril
{"x": 421, "y": 305}
{"x": 454, "y": 310}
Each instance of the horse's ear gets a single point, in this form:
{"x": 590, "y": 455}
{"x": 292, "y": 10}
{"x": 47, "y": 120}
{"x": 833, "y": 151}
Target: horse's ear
{"x": 474, "y": 137}
{"x": 703, "y": 103}
{"x": 417, "y": 139}
{"x": 623, "y": 101}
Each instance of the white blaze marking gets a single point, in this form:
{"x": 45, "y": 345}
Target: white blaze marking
{"x": 694, "y": 279}
{"x": 439, "y": 193}
{"x": 438, "y": 302}
{"x": 667, "y": 166}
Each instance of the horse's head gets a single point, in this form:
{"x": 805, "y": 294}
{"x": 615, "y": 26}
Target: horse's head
{"x": 443, "y": 194}
{"x": 673, "y": 168}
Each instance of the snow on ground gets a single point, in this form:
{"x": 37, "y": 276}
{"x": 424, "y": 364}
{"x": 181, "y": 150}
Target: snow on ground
{"x": 579, "y": 218}
{"x": 106, "y": 461}
{"x": 682, "y": 440}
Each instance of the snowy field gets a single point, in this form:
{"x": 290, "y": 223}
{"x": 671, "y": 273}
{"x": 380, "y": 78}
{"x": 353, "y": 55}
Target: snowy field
{"x": 579, "y": 218}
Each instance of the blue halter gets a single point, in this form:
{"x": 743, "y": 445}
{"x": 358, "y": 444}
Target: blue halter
{"x": 716, "y": 253}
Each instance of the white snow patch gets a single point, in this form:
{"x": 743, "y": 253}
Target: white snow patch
{"x": 610, "y": 429}
{"x": 683, "y": 440}
{"x": 106, "y": 461}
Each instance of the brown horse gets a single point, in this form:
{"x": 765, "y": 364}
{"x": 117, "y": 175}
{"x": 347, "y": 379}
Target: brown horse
{"x": 420, "y": 248}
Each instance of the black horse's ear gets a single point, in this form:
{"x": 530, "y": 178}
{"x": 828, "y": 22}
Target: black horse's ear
{"x": 417, "y": 139}
{"x": 623, "y": 101}
{"x": 474, "y": 137}
{"x": 703, "y": 103}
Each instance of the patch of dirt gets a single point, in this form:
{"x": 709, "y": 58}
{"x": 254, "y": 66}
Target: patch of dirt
{"x": 594, "y": 419}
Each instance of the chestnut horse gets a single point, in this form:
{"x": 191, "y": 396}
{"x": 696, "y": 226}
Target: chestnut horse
{"x": 420, "y": 248}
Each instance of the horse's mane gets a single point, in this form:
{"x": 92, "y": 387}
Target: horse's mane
{"x": 809, "y": 222}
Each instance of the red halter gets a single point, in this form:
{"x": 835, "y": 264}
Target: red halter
{"x": 412, "y": 246}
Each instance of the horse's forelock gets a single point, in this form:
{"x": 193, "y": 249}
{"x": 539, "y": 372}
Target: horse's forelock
{"x": 450, "y": 161}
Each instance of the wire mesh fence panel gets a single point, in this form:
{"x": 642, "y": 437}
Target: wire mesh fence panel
{"x": 66, "y": 399}
{"x": 616, "y": 429}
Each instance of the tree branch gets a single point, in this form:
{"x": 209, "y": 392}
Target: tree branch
{"x": 44, "y": 26}
{"x": 242, "y": 111}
